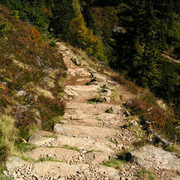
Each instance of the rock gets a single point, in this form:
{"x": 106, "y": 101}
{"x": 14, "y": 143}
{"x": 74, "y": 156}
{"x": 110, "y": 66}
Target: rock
{"x": 100, "y": 77}
{"x": 106, "y": 99}
{"x": 128, "y": 103}
{"x": 39, "y": 140}
{"x": 56, "y": 169}
{"x": 96, "y": 157}
{"x": 76, "y": 61}
{"x": 83, "y": 143}
{"x": 111, "y": 172}
{"x": 126, "y": 114}
{"x": 21, "y": 93}
{"x": 82, "y": 72}
{"x": 14, "y": 162}
{"x": 108, "y": 117}
{"x": 133, "y": 122}
{"x": 56, "y": 153}
{"x": 71, "y": 72}
{"x": 150, "y": 156}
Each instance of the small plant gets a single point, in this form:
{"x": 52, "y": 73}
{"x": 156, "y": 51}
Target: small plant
{"x": 173, "y": 148}
{"x": 71, "y": 148}
{"x": 3, "y": 177}
{"x": 112, "y": 141}
{"x": 110, "y": 110}
{"x": 53, "y": 44}
{"x": 24, "y": 147}
{"x": 96, "y": 100}
{"x": 115, "y": 163}
{"x": 145, "y": 175}
{"x": 91, "y": 151}
{"x": 4, "y": 27}
{"x": 8, "y": 135}
{"x": 15, "y": 13}
{"x": 43, "y": 159}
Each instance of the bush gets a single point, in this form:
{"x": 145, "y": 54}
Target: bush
{"x": 15, "y": 13}
{"x": 8, "y": 136}
{"x": 4, "y": 27}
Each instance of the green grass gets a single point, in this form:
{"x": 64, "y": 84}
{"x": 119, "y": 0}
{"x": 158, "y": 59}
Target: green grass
{"x": 71, "y": 148}
{"x": 114, "y": 142}
{"x": 43, "y": 159}
{"x": 93, "y": 101}
{"x": 115, "y": 163}
{"x": 174, "y": 148}
{"x": 110, "y": 110}
{"x": 91, "y": 151}
{"x": 51, "y": 136}
{"x": 24, "y": 147}
{"x": 145, "y": 175}
{"x": 5, "y": 178}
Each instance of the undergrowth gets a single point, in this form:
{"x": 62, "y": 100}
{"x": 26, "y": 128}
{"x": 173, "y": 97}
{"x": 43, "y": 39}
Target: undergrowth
{"x": 31, "y": 72}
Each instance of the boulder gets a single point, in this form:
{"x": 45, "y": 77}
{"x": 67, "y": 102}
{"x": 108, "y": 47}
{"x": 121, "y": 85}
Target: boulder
{"x": 153, "y": 157}
{"x": 14, "y": 162}
{"x": 39, "y": 140}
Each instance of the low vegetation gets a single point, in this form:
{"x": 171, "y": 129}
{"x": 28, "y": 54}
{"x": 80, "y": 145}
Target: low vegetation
{"x": 115, "y": 163}
{"x": 71, "y": 148}
{"x": 145, "y": 175}
{"x": 30, "y": 76}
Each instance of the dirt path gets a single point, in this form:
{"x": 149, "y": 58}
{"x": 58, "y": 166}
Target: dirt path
{"x": 89, "y": 134}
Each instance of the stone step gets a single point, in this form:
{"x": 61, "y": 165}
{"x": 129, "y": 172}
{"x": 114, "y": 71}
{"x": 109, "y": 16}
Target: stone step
{"x": 81, "y": 93}
{"x": 86, "y": 131}
{"x": 56, "y": 170}
{"x": 59, "y": 170}
{"x": 81, "y": 171}
{"x": 78, "y": 72}
{"x": 84, "y": 143}
{"x": 92, "y": 108}
{"x": 60, "y": 154}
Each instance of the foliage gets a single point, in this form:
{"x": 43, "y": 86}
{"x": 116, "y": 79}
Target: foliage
{"x": 82, "y": 37}
{"x": 36, "y": 12}
{"x": 4, "y": 27}
{"x": 160, "y": 119}
{"x": 26, "y": 62}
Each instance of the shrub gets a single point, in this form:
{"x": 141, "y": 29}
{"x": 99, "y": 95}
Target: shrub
{"x": 8, "y": 136}
{"x": 53, "y": 44}
{"x": 4, "y": 28}
{"x": 15, "y": 13}
{"x": 50, "y": 109}
{"x": 160, "y": 120}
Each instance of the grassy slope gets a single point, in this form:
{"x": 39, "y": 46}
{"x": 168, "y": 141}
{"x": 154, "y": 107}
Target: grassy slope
{"x": 31, "y": 75}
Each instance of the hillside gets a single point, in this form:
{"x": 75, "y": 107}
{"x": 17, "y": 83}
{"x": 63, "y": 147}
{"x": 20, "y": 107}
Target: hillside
{"x": 31, "y": 76}
{"x": 65, "y": 114}
{"x": 97, "y": 137}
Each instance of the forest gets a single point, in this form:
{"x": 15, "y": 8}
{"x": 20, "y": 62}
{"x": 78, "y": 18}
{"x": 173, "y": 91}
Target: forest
{"x": 130, "y": 36}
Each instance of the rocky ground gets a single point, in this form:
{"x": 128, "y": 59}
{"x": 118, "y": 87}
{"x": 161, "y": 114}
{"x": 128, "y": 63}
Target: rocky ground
{"x": 90, "y": 134}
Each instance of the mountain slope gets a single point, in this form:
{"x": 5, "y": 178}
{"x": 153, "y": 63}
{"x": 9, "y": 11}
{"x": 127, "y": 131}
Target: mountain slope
{"x": 31, "y": 75}
{"x": 95, "y": 137}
